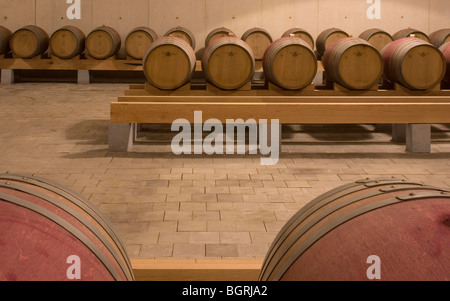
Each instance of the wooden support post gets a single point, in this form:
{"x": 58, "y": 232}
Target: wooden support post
{"x": 121, "y": 137}
{"x": 7, "y": 77}
{"x": 418, "y": 138}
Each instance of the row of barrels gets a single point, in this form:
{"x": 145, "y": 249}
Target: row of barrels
{"x": 104, "y": 41}
{"x": 409, "y": 57}
{"x": 290, "y": 63}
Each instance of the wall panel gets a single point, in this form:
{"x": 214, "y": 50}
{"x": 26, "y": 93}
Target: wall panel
{"x": 164, "y": 15}
{"x": 52, "y": 15}
{"x": 201, "y": 16}
{"x": 18, "y": 13}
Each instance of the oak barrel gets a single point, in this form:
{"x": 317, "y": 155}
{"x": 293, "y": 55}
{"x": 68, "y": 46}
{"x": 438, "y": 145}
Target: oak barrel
{"x": 413, "y": 63}
{"x": 103, "y": 42}
{"x": 42, "y": 224}
{"x": 327, "y": 38}
{"x": 182, "y": 33}
{"x": 5, "y": 36}
{"x": 67, "y": 42}
{"x": 228, "y": 63}
{"x": 445, "y": 49}
{"x": 353, "y": 63}
{"x": 290, "y": 63}
{"x": 218, "y": 33}
{"x": 29, "y": 41}
{"x": 408, "y": 32}
{"x": 440, "y": 37}
{"x": 258, "y": 39}
{"x": 300, "y": 33}
{"x": 405, "y": 224}
{"x": 138, "y": 41}
{"x": 169, "y": 63}
{"x": 378, "y": 38}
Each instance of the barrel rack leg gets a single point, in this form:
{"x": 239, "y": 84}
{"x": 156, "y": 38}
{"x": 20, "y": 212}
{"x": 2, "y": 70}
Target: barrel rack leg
{"x": 121, "y": 137}
{"x": 84, "y": 77}
{"x": 7, "y": 77}
{"x": 418, "y": 138}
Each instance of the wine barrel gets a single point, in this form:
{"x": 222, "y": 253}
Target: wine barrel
{"x": 42, "y": 224}
{"x": 218, "y": 33}
{"x": 440, "y": 37}
{"x": 408, "y": 32}
{"x": 183, "y": 33}
{"x": 377, "y": 38}
{"x": 103, "y": 42}
{"x": 5, "y": 36}
{"x": 258, "y": 39}
{"x": 290, "y": 63}
{"x": 353, "y": 63}
{"x": 413, "y": 63}
{"x": 300, "y": 33}
{"x": 445, "y": 49}
{"x": 327, "y": 38}
{"x": 407, "y": 225}
{"x": 169, "y": 63}
{"x": 67, "y": 42}
{"x": 228, "y": 63}
{"x": 138, "y": 41}
{"x": 29, "y": 41}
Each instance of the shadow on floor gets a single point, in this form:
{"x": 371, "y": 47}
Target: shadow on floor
{"x": 89, "y": 132}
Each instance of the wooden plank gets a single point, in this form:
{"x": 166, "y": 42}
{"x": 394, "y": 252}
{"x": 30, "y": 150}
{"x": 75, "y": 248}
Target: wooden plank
{"x": 58, "y": 64}
{"x": 332, "y": 112}
{"x": 255, "y": 96}
{"x": 196, "y": 269}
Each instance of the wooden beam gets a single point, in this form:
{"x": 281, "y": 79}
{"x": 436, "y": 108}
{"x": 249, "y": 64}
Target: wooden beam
{"x": 74, "y": 64}
{"x": 196, "y": 269}
{"x": 335, "y": 111}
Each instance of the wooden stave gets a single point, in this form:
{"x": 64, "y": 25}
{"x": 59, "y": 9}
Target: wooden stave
{"x": 225, "y": 32}
{"x": 116, "y": 39}
{"x": 273, "y": 268}
{"x": 41, "y": 37}
{"x": 445, "y": 49}
{"x": 215, "y": 45}
{"x": 186, "y": 32}
{"x": 272, "y": 51}
{"x": 80, "y": 37}
{"x": 392, "y": 63}
{"x": 407, "y": 32}
{"x": 251, "y": 31}
{"x": 5, "y": 37}
{"x": 77, "y": 214}
{"x": 323, "y": 37}
{"x": 146, "y": 30}
{"x": 296, "y": 30}
{"x": 332, "y": 56}
{"x": 181, "y": 44}
{"x": 369, "y": 33}
{"x": 440, "y": 37}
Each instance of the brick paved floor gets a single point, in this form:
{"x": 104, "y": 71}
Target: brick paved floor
{"x": 167, "y": 206}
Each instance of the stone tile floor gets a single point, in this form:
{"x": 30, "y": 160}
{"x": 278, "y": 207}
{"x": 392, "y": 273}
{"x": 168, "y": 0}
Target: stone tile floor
{"x": 168, "y": 206}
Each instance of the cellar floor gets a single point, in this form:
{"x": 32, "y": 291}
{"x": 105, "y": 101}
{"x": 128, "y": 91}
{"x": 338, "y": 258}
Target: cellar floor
{"x": 199, "y": 206}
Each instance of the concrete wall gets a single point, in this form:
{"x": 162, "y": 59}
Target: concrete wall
{"x": 201, "y": 16}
